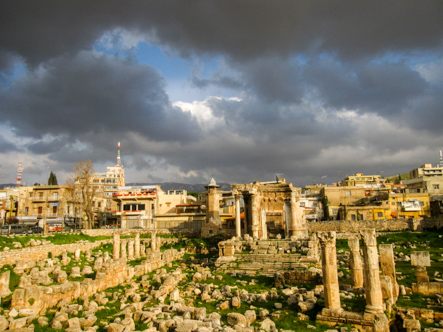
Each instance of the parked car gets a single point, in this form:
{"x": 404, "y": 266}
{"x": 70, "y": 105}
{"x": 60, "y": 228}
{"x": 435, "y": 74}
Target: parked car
{"x": 36, "y": 230}
{"x": 13, "y": 229}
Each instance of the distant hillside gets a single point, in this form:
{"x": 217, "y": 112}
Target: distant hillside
{"x": 395, "y": 179}
{"x": 5, "y": 185}
{"x": 182, "y": 186}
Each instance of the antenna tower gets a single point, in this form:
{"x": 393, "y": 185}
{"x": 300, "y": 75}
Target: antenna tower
{"x": 19, "y": 174}
{"x": 441, "y": 160}
{"x": 119, "y": 162}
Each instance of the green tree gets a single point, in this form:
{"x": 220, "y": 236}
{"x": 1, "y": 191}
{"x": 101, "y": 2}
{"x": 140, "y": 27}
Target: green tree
{"x": 52, "y": 180}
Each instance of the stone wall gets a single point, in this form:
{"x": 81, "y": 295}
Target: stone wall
{"x": 379, "y": 225}
{"x": 38, "y": 253}
{"x": 122, "y": 232}
{"x": 355, "y": 226}
{"x": 111, "y": 274}
{"x": 427, "y": 288}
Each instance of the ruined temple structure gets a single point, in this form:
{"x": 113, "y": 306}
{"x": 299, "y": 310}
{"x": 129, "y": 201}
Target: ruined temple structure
{"x": 373, "y": 319}
{"x": 270, "y": 207}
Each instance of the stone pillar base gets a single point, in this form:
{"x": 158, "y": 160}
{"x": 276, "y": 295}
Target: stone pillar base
{"x": 373, "y": 310}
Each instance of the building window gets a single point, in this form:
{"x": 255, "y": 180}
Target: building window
{"x": 393, "y": 203}
{"x": 348, "y": 193}
{"x": 302, "y": 204}
{"x": 436, "y": 186}
{"x": 422, "y": 203}
{"x": 26, "y": 210}
{"x": 353, "y": 217}
{"x": 380, "y": 214}
{"x": 398, "y": 203}
{"x": 360, "y": 217}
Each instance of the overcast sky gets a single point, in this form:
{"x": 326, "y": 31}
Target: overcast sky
{"x": 241, "y": 90}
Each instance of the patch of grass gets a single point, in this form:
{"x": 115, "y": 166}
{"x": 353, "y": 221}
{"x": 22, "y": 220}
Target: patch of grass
{"x": 356, "y": 304}
{"x": 415, "y": 301}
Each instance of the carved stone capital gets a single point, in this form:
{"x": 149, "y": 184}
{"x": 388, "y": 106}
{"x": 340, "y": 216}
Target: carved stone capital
{"x": 327, "y": 239}
{"x": 368, "y": 237}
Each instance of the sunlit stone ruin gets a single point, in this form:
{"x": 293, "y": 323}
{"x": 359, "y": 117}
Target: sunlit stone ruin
{"x": 272, "y": 271}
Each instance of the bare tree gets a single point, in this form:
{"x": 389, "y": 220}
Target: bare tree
{"x": 83, "y": 177}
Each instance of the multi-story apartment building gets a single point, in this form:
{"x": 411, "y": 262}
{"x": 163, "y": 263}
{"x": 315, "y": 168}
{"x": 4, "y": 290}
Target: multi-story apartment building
{"x": 409, "y": 205}
{"x": 312, "y": 207}
{"x": 359, "y": 179}
{"x": 425, "y": 179}
{"x": 151, "y": 208}
{"x": 8, "y": 203}
{"x": 45, "y": 204}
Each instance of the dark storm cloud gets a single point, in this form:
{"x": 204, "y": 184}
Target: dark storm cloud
{"x": 7, "y": 146}
{"x": 243, "y": 30}
{"x": 295, "y": 64}
{"x": 73, "y": 96}
{"x": 381, "y": 88}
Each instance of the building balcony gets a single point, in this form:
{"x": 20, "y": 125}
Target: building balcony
{"x": 132, "y": 196}
{"x": 38, "y": 199}
{"x": 53, "y": 198}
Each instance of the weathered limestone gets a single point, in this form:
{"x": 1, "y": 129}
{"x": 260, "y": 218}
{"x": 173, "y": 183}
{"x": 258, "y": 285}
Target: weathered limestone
{"x": 254, "y": 211}
{"x": 77, "y": 254}
{"x": 388, "y": 266}
{"x": 298, "y": 227}
{"x": 4, "y": 284}
{"x": 116, "y": 247}
{"x": 131, "y": 249}
{"x": 65, "y": 259}
{"x": 153, "y": 242}
{"x": 374, "y": 298}
{"x": 142, "y": 249}
{"x": 355, "y": 262}
{"x": 237, "y": 216}
{"x": 329, "y": 267}
{"x": 123, "y": 248}
{"x": 421, "y": 259}
{"x": 137, "y": 245}
{"x": 313, "y": 252}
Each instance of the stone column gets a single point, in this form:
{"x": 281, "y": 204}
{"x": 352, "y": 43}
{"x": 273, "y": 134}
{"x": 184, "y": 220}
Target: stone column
{"x": 142, "y": 249}
{"x": 116, "y": 248}
{"x": 374, "y": 298}
{"x": 131, "y": 249}
{"x": 153, "y": 242}
{"x": 355, "y": 262}
{"x": 123, "y": 246}
{"x": 4, "y": 284}
{"x": 245, "y": 220}
{"x": 255, "y": 215}
{"x": 421, "y": 259}
{"x": 329, "y": 268}
{"x": 298, "y": 227}
{"x": 137, "y": 245}
{"x": 77, "y": 254}
{"x": 237, "y": 217}
{"x": 388, "y": 266}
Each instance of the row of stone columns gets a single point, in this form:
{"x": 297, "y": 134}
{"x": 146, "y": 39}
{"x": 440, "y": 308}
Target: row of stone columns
{"x": 297, "y": 226}
{"x": 131, "y": 249}
{"x": 368, "y": 273}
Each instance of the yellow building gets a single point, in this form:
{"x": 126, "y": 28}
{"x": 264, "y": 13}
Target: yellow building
{"x": 409, "y": 205}
{"x": 359, "y": 179}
